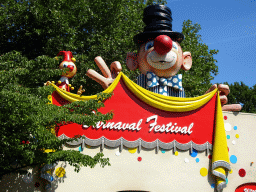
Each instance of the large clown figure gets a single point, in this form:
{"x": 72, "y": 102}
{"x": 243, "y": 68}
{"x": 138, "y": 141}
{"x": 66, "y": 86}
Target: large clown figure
{"x": 159, "y": 59}
{"x": 68, "y": 63}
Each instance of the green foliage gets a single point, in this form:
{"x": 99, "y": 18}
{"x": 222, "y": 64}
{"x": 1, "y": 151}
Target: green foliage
{"x": 241, "y": 93}
{"x": 196, "y": 81}
{"x": 32, "y": 33}
{"x": 26, "y": 116}
{"x": 86, "y": 28}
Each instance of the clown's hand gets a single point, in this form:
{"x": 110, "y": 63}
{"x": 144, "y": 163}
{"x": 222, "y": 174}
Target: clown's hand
{"x": 224, "y": 91}
{"x": 108, "y": 77}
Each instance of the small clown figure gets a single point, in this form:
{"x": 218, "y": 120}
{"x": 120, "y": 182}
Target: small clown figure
{"x": 68, "y": 62}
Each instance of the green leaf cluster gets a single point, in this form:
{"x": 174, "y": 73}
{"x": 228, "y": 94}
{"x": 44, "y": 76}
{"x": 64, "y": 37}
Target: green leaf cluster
{"x": 86, "y": 28}
{"x": 196, "y": 81}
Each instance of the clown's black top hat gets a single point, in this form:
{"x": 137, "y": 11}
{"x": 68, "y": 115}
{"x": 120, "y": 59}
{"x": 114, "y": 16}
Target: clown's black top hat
{"x": 158, "y": 20}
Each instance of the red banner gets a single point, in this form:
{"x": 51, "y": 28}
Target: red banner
{"x": 134, "y": 119}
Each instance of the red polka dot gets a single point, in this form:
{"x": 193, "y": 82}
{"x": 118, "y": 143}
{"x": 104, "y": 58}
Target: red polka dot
{"x": 139, "y": 158}
{"x": 242, "y": 172}
{"x": 210, "y": 156}
{"x": 225, "y": 117}
{"x": 228, "y": 149}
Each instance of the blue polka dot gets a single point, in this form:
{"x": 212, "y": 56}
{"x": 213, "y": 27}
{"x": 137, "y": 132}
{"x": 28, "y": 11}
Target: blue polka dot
{"x": 233, "y": 159}
{"x": 212, "y": 185}
{"x": 197, "y": 160}
{"x": 80, "y": 149}
{"x": 228, "y": 136}
{"x": 226, "y": 180}
{"x": 235, "y": 127}
{"x": 194, "y": 153}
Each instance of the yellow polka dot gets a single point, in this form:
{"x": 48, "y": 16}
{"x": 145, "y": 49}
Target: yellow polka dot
{"x": 176, "y": 153}
{"x": 231, "y": 171}
{"x": 203, "y": 171}
{"x": 237, "y": 136}
{"x": 132, "y": 150}
{"x": 60, "y": 172}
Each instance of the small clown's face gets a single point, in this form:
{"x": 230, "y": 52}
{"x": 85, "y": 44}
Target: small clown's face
{"x": 164, "y": 63}
{"x": 71, "y": 68}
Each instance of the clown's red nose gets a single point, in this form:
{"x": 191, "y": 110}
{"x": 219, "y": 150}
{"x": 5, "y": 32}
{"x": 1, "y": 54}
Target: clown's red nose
{"x": 70, "y": 67}
{"x": 162, "y": 44}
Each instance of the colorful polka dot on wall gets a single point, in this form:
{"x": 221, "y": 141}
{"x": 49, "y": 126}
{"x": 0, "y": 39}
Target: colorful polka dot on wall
{"x": 197, "y": 160}
{"x": 225, "y": 117}
{"x": 227, "y": 126}
{"x": 233, "y": 159}
{"x": 212, "y": 185}
{"x": 237, "y": 136}
{"x": 176, "y": 153}
{"x": 235, "y": 127}
{"x": 226, "y": 180}
{"x": 194, "y": 153}
{"x": 132, "y": 150}
{"x": 139, "y": 159}
{"x": 242, "y": 172}
{"x": 162, "y": 150}
{"x": 203, "y": 171}
{"x": 228, "y": 136}
{"x": 60, "y": 172}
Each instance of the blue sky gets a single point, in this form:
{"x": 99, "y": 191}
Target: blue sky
{"x": 230, "y": 27}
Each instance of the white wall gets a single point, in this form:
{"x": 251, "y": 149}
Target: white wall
{"x": 157, "y": 172}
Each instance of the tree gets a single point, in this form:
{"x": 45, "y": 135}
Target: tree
{"x": 246, "y": 96}
{"x": 196, "y": 81}
{"x": 88, "y": 28}
{"x": 27, "y": 120}
{"x": 32, "y": 33}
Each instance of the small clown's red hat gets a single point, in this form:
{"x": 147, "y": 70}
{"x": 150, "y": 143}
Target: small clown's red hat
{"x": 67, "y": 55}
